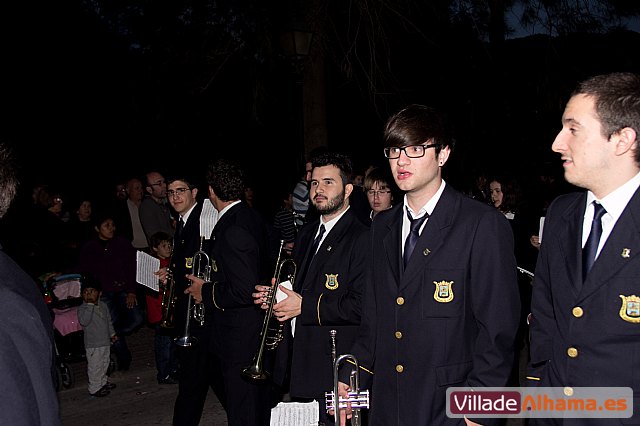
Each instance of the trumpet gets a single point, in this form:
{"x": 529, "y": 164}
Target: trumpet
{"x": 356, "y": 398}
{"x": 168, "y": 302}
{"x": 272, "y": 329}
{"x": 202, "y": 270}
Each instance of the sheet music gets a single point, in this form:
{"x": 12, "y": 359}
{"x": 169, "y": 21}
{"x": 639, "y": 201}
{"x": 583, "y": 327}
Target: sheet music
{"x": 295, "y": 414}
{"x": 146, "y": 265}
{"x": 208, "y": 218}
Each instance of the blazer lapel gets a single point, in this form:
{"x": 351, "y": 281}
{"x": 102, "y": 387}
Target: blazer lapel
{"x": 391, "y": 242}
{"x": 333, "y": 238}
{"x": 570, "y": 240}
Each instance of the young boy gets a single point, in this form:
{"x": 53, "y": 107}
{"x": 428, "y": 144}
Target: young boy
{"x": 166, "y": 360}
{"x": 94, "y": 317}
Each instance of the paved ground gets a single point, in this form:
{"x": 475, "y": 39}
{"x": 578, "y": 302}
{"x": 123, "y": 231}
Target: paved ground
{"x": 138, "y": 400}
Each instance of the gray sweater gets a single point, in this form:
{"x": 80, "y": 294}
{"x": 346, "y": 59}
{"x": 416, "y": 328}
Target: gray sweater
{"x": 96, "y": 321}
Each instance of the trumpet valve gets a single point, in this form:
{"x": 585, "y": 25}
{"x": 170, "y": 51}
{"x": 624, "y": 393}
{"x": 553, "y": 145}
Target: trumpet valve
{"x": 358, "y": 399}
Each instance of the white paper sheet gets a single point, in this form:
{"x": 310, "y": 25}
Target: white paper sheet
{"x": 295, "y": 414}
{"x": 208, "y": 219}
{"x": 280, "y": 296}
{"x": 540, "y": 230}
{"x": 146, "y": 266}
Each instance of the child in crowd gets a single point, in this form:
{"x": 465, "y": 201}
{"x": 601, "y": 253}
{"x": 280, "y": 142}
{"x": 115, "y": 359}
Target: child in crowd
{"x": 99, "y": 333}
{"x": 166, "y": 360}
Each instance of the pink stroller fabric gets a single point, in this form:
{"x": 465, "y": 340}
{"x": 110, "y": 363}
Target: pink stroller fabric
{"x": 66, "y": 320}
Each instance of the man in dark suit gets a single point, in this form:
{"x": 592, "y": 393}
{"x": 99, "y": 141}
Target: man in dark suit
{"x": 239, "y": 256}
{"x": 194, "y": 378}
{"x": 191, "y": 347}
{"x": 585, "y": 325}
{"x": 442, "y": 306}
{"x": 26, "y": 332}
{"x": 329, "y": 281}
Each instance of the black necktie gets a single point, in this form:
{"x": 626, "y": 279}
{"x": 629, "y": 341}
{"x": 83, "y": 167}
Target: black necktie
{"x": 316, "y": 243}
{"x": 591, "y": 246}
{"x": 179, "y": 228}
{"x": 312, "y": 253}
{"x": 412, "y": 238}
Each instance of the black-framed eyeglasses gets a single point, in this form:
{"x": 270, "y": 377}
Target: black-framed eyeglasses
{"x": 412, "y": 151}
{"x": 374, "y": 193}
{"x": 158, "y": 183}
{"x": 177, "y": 191}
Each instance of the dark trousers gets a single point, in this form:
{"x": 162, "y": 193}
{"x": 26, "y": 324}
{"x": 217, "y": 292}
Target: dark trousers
{"x": 196, "y": 376}
{"x": 247, "y": 402}
{"x": 165, "y": 353}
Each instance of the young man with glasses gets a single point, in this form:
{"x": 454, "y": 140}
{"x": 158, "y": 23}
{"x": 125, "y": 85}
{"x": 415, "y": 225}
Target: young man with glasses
{"x": 378, "y": 186}
{"x": 195, "y": 372}
{"x": 442, "y": 304}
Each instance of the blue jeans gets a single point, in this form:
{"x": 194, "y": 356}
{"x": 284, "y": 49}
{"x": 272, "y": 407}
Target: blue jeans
{"x": 125, "y": 320}
{"x": 165, "y": 353}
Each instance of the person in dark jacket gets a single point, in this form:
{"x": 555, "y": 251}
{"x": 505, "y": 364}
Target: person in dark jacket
{"x": 442, "y": 303}
{"x": 330, "y": 255}
{"x": 27, "y": 368}
{"x": 111, "y": 259}
{"x": 239, "y": 256}
{"x": 585, "y": 324}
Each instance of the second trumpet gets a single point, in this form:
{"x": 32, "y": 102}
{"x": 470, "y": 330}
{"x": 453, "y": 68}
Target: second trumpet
{"x": 202, "y": 270}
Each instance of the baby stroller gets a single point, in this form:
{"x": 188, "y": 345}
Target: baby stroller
{"x": 63, "y": 296}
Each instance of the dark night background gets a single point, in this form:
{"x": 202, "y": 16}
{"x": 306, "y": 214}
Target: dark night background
{"x": 96, "y": 91}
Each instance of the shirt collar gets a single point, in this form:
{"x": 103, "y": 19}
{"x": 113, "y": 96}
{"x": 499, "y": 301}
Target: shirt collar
{"x": 427, "y": 208}
{"x": 615, "y": 202}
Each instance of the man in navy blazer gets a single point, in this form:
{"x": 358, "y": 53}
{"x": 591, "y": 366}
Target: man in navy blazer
{"x": 585, "y": 325}
{"x": 450, "y": 316}
{"x": 239, "y": 258}
{"x": 26, "y": 333}
{"x": 328, "y": 286}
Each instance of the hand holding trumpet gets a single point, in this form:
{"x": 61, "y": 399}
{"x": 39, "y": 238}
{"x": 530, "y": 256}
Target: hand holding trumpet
{"x": 346, "y": 413}
{"x": 286, "y": 309}
{"x": 195, "y": 289}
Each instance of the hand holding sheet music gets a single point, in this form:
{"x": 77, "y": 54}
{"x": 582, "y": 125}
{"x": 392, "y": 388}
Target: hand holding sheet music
{"x": 146, "y": 266}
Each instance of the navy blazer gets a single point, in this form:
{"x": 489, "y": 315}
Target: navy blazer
{"x": 587, "y": 334}
{"x": 449, "y": 319}
{"x": 26, "y": 363}
{"x": 331, "y": 300}
{"x": 184, "y": 248}
{"x": 239, "y": 260}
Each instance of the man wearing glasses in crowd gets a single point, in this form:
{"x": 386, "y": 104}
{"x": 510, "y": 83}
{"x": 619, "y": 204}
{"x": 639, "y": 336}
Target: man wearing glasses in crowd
{"x": 155, "y": 214}
{"x": 195, "y": 371}
{"x": 378, "y": 187}
{"x": 442, "y": 306}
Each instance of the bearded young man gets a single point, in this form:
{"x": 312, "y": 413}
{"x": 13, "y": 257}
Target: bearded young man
{"x": 329, "y": 253}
